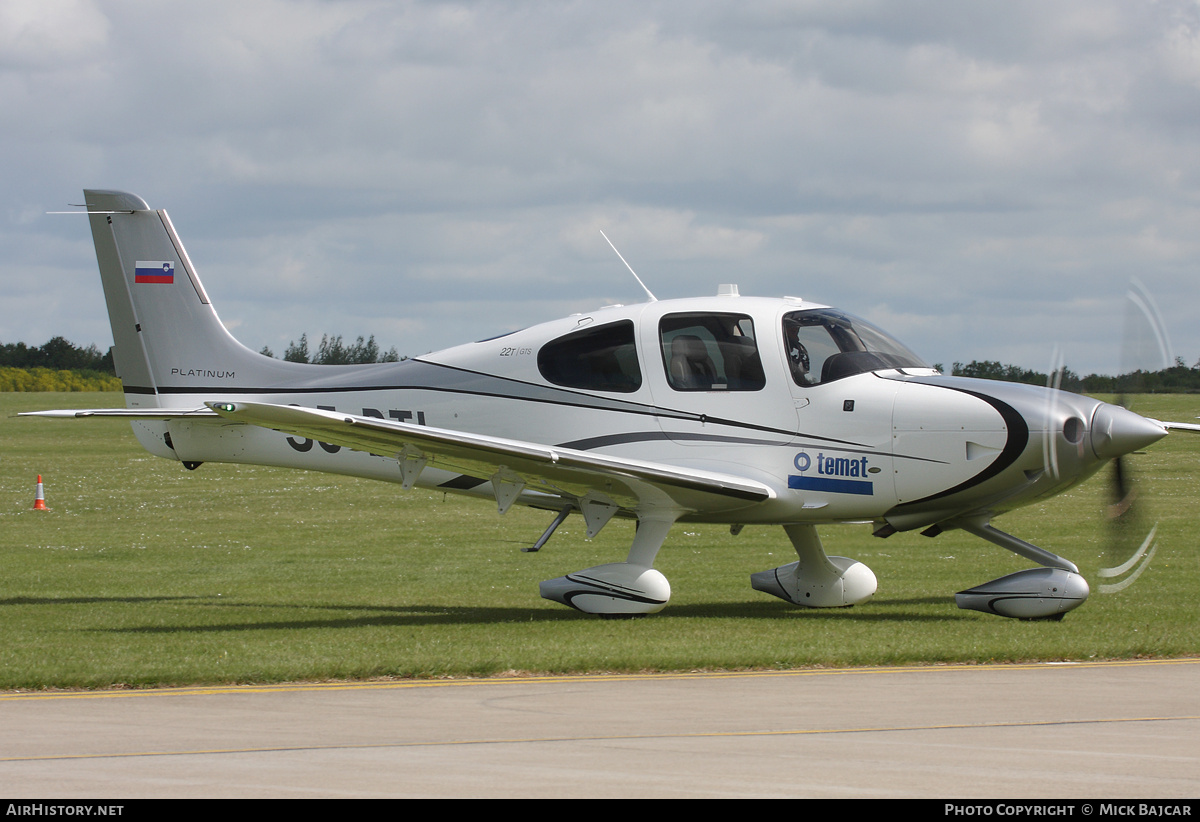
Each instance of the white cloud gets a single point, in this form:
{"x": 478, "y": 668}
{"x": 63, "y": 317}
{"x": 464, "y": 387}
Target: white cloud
{"x": 40, "y": 35}
{"x": 956, "y": 167}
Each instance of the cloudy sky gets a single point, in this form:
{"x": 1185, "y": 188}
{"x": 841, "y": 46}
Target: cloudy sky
{"x": 982, "y": 179}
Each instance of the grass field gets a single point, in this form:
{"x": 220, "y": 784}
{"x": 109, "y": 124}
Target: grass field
{"x": 143, "y": 573}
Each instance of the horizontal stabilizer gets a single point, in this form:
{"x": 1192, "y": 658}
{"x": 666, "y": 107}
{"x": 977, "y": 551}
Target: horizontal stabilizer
{"x": 1179, "y": 426}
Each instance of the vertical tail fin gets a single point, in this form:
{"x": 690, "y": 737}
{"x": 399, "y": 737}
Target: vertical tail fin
{"x": 167, "y": 336}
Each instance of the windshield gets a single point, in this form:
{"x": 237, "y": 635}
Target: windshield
{"x": 824, "y": 345}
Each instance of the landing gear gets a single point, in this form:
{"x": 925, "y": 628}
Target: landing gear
{"x": 1037, "y": 593}
{"x": 816, "y": 580}
{"x": 629, "y": 588}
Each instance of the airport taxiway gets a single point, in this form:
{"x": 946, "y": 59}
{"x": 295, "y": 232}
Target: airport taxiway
{"x": 1083, "y": 730}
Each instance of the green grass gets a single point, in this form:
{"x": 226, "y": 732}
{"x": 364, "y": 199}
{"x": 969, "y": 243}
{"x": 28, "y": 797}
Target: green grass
{"x": 143, "y": 573}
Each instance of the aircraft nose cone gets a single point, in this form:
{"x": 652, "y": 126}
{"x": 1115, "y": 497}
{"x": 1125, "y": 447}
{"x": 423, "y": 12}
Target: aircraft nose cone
{"x": 1117, "y": 431}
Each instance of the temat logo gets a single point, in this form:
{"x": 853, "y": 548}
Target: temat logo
{"x": 835, "y": 474}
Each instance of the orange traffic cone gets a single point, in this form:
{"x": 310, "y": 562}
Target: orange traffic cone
{"x": 39, "y": 502}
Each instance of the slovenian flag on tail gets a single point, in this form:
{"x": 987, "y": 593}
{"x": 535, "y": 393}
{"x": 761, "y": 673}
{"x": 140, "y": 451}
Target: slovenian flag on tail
{"x": 154, "y": 271}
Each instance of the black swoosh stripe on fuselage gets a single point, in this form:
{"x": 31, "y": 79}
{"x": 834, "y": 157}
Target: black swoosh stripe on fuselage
{"x": 1014, "y": 446}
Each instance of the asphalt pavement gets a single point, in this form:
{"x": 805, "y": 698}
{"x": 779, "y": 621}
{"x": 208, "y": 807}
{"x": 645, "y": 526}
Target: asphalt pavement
{"x": 1084, "y": 730}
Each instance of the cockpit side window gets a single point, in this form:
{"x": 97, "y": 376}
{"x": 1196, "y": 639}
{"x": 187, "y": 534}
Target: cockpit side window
{"x": 823, "y": 345}
{"x": 710, "y": 352}
{"x": 596, "y": 359}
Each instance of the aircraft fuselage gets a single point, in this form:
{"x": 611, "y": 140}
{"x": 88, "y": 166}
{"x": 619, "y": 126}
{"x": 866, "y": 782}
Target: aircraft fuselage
{"x": 901, "y": 444}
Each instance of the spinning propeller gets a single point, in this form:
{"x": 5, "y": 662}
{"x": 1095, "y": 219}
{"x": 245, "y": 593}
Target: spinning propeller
{"x": 1130, "y": 544}
{"x": 1145, "y": 350}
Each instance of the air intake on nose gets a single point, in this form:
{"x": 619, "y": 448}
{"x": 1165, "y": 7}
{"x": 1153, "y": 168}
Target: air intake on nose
{"x": 976, "y": 450}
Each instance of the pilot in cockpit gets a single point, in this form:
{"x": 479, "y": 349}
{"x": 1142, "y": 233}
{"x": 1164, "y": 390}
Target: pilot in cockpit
{"x": 797, "y": 354}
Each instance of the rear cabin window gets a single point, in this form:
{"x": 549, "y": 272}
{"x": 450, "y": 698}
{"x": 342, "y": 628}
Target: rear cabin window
{"x": 710, "y": 352}
{"x": 595, "y": 359}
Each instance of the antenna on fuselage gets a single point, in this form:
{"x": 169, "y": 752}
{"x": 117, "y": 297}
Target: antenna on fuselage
{"x": 653, "y": 299}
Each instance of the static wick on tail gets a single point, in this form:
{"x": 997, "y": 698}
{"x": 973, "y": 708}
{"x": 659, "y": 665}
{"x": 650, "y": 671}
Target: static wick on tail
{"x": 653, "y": 299}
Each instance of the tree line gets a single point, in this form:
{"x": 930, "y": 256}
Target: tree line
{"x": 62, "y": 355}
{"x": 59, "y": 355}
{"x": 1177, "y": 379}
{"x": 60, "y": 365}
{"x": 332, "y": 351}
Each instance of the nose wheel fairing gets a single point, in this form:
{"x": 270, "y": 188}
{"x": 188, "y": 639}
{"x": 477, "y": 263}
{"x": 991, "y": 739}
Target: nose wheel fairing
{"x": 1035, "y": 593}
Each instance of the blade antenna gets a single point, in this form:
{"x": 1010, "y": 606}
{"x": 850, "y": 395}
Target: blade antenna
{"x": 653, "y": 299}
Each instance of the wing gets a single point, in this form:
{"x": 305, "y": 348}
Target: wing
{"x": 512, "y": 466}
{"x": 127, "y": 413}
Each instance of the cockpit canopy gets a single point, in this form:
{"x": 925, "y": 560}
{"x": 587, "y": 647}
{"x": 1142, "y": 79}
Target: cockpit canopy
{"x": 823, "y": 345}
{"x": 720, "y": 351}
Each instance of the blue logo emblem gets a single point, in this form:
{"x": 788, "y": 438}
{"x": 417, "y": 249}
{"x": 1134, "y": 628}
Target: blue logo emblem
{"x": 839, "y": 475}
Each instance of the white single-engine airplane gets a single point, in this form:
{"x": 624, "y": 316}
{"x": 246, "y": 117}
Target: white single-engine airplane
{"x": 725, "y": 409}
